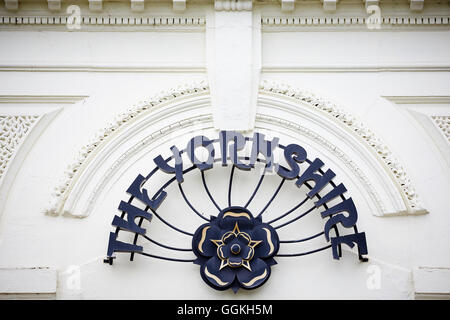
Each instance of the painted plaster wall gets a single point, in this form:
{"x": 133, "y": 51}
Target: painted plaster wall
{"x": 393, "y": 80}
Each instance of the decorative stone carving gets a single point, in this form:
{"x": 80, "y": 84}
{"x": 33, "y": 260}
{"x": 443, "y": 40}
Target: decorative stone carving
{"x": 391, "y": 168}
{"x": 13, "y": 131}
{"x": 333, "y": 149}
{"x": 443, "y": 123}
{"x": 413, "y": 201}
{"x": 60, "y": 193}
{"x": 22, "y": 121}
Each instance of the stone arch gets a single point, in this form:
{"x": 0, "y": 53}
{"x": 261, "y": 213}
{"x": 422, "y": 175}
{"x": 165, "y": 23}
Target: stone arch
{"x": 375, "y": 171}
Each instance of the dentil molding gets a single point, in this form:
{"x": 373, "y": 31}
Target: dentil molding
{"x": 180, "y": 5}
{"x": 277, "y": 15}
{"x": 90, "y": 22}
{"x": 386, "y": 22}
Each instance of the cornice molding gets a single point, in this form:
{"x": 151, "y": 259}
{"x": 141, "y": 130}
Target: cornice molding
{"x": 276, "y": 14}
{"x": 272, "y": 23}
{"x": 41, "y": 99}
{"x": 283, "y": 23}
{"x": 414, "y": 6}
{"x": 418, "y": 99}
{"x": 174, "y": 66}
{"x": 97, "y": 21}
{"x": 286, "y": 67}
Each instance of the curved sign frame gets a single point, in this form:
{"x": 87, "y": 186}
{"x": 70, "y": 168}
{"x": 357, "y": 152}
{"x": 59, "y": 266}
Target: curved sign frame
{"x": 235, "y": 248}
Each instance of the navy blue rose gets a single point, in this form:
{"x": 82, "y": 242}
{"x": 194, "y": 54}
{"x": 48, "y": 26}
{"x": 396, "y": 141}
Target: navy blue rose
{"x": 235, "y": 250}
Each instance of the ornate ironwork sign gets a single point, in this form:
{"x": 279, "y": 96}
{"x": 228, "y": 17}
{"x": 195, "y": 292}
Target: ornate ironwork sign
{"x": 236, "y": 248}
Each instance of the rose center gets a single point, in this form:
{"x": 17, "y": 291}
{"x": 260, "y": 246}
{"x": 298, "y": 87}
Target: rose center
{"x": 235, "y": 248}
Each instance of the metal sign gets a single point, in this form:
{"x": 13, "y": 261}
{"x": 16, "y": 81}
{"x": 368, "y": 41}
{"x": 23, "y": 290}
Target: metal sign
{"x": 236, "y": 248}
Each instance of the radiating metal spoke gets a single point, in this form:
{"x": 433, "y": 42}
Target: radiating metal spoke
{"x": 163, "y": 245}
{"x": 151, "y": 240}
{"x": 304, "y": 239}
{"x": 302, "y": 253}
{"x": 230, "y": 185}
{"x": 169, "y": 225}
{"x": 273, "y": 197}
{"x": 256, "y": 190}
{"x": 172, "y": 179}
{"x": 292, "y": 210}
{"x": 165, "y": 258}
{"x": 189, "y": 204}
{"x": 295, "y": 219}
{"x": 209, "y": 193}
{"x": 141, "y": 219}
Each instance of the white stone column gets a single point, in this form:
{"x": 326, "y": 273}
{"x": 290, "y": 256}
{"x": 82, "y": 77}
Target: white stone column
{"x": 233, "y": 42}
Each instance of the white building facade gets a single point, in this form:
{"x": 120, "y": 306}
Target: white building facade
{"x": 93, "y": 91}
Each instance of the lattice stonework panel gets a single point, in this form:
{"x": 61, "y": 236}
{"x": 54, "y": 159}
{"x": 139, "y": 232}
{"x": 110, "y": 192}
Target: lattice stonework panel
{"x": 13, "y": 131}
{"x": 443, "y": 123}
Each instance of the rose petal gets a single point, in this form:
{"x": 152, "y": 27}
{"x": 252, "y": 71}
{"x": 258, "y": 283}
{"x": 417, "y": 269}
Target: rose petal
{"x": 244, "y": 238}
{"x": 252, "y": 279}
{"x": 228, "y": 237}
{"x": 247, "y": 253}
{"x": 235, "y": 261}
{"x": 230, "y": 216}
{"x": 270, "y": 243}
{"x": 201, "y": 241}
{"x": 219, "y": 279}
{"x": 222, "y": 252}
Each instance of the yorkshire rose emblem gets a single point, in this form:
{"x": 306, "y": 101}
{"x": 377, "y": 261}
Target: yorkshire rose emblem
{"x": 235, "y": 250}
